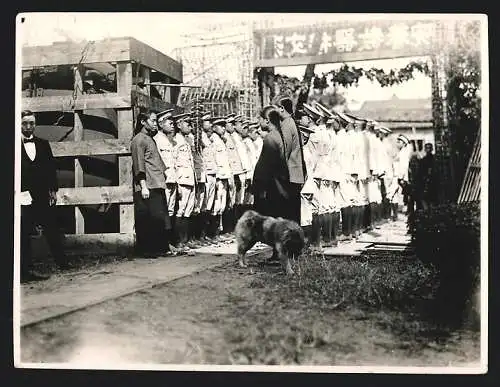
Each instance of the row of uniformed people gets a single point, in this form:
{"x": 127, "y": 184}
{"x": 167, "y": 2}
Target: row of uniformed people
{"x": 351, "y": 174}
{"x": 206, "y": 190}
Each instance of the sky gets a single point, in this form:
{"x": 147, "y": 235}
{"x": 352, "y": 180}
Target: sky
{"x": 165, "y": 32}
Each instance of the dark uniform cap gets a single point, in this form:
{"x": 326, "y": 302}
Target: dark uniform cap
{"x": 312, "y": 112}
{"x": 323, "y": 109}
{"x": 404, "y": 139}
{"x": 219, "y": 121}
{"x": 166, "y": 114}
{"x": 238, "y": 118}
{"x": 230, "y": 119}
{"x": 182, "y": 116}
{"x": 305, "y": 129}
{"x": 344, "y": 117}
{"x": 206, "y": 116}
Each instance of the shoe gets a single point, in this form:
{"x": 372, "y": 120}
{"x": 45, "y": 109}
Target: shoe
{"x": 193, "y": 245}
{"x": 34, "y": 276}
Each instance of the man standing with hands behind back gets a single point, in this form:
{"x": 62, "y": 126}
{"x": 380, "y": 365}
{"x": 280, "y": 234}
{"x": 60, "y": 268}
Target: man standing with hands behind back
{"x": 294, "y": 157}
{"x": 39, "y": 187}
{"x": 150, "y": 203}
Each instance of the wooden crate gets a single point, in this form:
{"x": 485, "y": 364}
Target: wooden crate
{"x": 123, "y": 52}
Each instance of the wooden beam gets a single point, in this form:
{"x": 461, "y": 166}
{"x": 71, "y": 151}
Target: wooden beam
{"x": 78, "y": 136}
{"x": 155, "y": 60}
{"x": 340, "y": 57}
{"x": 108, "y": 50}
{"x": 125, "y": 133}
{"x": 88, "y": 244}
{"x": 94, "y": 195}
{"x": 90, "y": 148}
{"x": 83, "y": 102}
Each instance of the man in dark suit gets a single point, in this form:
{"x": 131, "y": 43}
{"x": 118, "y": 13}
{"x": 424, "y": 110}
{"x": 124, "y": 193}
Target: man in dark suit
{"x": 270, "y": 179}
{"x": 294, "y": 157}
{"x": 38, "y": 177}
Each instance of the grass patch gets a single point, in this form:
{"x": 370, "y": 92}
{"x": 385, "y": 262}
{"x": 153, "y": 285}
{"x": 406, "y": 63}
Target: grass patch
{"x": 342, "y": 311}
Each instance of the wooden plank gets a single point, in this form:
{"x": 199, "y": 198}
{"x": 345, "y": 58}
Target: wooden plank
{"x": 155, "y": 104}
{"x": 91, "y": 147}
{"x": 88, "y": 244}
{"x": 83, "y": 102}
{"x": 108, "y": 50}
{"x": 340, "y": 57}
{"x": 154, "y": 59}
{"x": 94, "y": 195}
{"x": 78, "y": 136}
{"x": 125, "y": 132}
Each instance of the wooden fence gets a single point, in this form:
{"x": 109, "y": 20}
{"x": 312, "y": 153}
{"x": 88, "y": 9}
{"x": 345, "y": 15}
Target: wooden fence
{"x": 123, "y": 53}
{"x": 471, "y": 186}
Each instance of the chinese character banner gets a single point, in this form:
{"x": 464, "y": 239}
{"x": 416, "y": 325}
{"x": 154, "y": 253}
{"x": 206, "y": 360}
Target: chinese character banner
{"x": 346, "y": 37}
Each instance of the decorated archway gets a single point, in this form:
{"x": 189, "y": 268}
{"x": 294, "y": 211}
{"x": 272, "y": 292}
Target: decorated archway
{"x": 351, "y": 41}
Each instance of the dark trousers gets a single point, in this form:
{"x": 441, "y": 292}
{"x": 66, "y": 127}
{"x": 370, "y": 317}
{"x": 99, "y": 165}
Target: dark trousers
{"x": 42, "y": 215}
{"x": 151, "y": 222}
{"x": 291, "y": 207}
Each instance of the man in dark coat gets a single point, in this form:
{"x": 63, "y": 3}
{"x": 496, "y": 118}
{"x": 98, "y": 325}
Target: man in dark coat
{"x": 270, "y": 179}
{"x": 294, "y": 158}
{"x": 426, "y": 183}
{"x": 39, "y": 184}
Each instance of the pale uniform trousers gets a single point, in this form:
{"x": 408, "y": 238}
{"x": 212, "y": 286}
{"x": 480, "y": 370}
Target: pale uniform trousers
{"x": 184, "y": 168}
{"x": 400, "y": 166}
{"x": 223, "y": 173}
{"x": 167, "y": 150}
{"x": 246, "y": 165}
{"x": 309, "y": 194}
{"x": 236, "y": 168}
{"x": 208, "y": 154}
{"x": 251, "y": 148}
{"x": 200, "y": 176}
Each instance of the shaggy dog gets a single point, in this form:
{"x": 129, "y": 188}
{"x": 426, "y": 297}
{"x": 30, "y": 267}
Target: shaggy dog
{"x": 284, "y": 236}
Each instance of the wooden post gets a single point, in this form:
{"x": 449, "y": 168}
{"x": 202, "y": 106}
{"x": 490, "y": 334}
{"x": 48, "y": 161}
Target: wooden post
{"x": 125, "y": 131}
{"x": 146, "y": 77}
{"x": 78, "y": 136}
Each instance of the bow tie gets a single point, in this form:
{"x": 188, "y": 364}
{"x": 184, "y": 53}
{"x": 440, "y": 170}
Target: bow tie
{"x": 25, "y": 140}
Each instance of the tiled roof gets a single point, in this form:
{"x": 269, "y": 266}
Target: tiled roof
{"x": 396, "y": 109}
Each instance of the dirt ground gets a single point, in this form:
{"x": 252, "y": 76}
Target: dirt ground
{"x": 232, "y": 316}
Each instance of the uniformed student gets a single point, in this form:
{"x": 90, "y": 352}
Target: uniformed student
{"x": 150, "y": 206}
{"x": 186, "y": 181}
{"x": 310, "y": 118}
{"x": 240, "y": 131}
{"x": 330, "y": 174}
{"x": 166, "y": 145}
{"x": 386, "y": 168}
{"x": 252, "y": 151}
{"x": 196, "y": 225}
{"x": 235, "y": 186}
{"x": 208, "y": 153}
{"x": 359, "y": 173}
{"x": 223, "y": 174}
{"x": 376, "y": 159}
{"x": 309, "y": 193}
{"x": 340, "y": 156}
{"x": 401, "y": 167}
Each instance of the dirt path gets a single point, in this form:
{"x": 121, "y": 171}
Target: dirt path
{"x": 229, "y": 316}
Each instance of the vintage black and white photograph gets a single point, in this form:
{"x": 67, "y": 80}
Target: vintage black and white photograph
{"x": 291, "y": 192}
